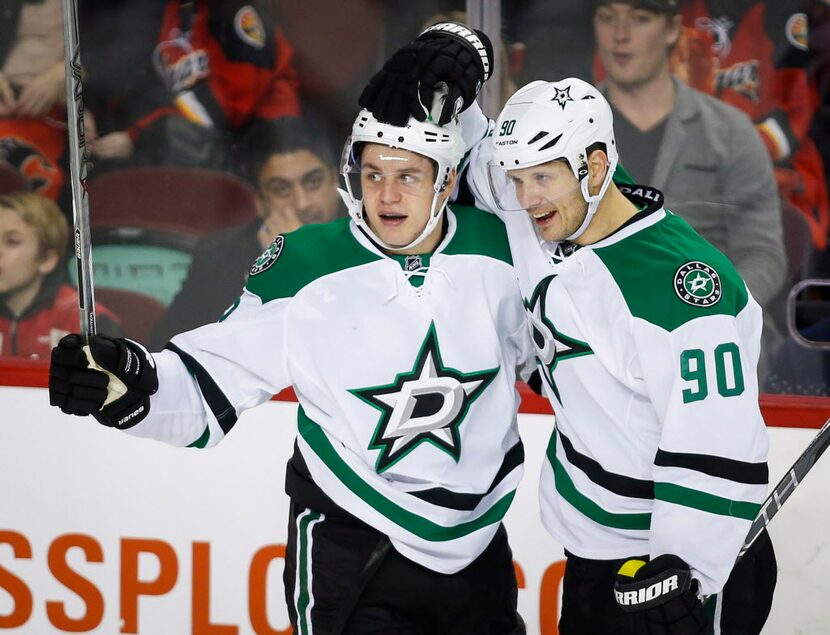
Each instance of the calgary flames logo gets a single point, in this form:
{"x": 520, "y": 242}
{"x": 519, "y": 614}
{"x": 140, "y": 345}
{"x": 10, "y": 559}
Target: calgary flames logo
{"x": 249, "y": 27}
{"x": 796, "y": 30}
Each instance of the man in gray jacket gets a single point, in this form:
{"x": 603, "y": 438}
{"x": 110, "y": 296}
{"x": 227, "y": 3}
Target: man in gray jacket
{"x": 703, "y": 154}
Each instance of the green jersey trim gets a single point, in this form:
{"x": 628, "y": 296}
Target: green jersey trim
{"x": 649, "y": 268}
{"x": 679, "y": 495}
{"x": 478, "y": 233}
{"x": 313, "y": 434}
{"x": 202, "y": 441}
{"x": 567, "y": 490}
{"x": 309, "y": 253}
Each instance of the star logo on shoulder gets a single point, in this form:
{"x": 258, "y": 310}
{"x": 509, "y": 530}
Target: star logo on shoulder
{"x": 698, "y": 284}
{"x": 426, "y": 404}
{"x": 563, "y": 96}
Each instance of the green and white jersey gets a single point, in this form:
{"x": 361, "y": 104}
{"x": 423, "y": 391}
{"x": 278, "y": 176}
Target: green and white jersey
{"x": 647, "y": 343}
{"x": 404, "y": 368}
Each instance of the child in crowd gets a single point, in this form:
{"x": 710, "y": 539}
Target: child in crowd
{"x": 37, "y": 307}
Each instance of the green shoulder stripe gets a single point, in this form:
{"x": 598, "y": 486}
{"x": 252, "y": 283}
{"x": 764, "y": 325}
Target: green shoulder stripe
{"x": 310, "y": 252}
{"x": 479, "y": 233}
{"x": 669, "y": 275}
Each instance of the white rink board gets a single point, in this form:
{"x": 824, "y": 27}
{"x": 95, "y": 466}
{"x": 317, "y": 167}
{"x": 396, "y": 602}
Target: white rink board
{"x": 64, "y": 475}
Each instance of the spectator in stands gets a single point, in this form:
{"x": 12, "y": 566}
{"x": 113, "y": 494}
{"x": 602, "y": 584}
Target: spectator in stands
{"x": 760, "y": 56}
{"x": 292, "y": 165}
{"x": 32, "y": 93}
{"x": 36, "y": 307}
{"x": 224, "y": 64}
{"x": 704, "y": 155}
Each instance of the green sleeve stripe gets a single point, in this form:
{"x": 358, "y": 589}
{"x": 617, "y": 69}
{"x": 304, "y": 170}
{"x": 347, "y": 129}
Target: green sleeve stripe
{"x": 566, "y": 488}
{"x": 202, "y": 441}
{"x": 412, "y": 522}
{"x": 679, "y": 495}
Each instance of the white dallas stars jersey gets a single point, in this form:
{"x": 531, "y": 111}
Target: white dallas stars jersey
{"x": 647, "y": 343}
{"x": 404, "y": 368}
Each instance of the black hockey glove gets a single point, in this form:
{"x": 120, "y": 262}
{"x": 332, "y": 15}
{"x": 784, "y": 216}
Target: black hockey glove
{"x": 449, "y": 53}
{"x": 115, "y": 388}
{"x": 660, "y": 597}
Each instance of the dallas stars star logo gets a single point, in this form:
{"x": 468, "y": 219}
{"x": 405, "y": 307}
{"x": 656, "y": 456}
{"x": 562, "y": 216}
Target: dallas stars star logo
{"x": 427, "y": 404}
{"x": 563, "y": 96}
{"x": 552, "y": 346}
{"x": 698, "y": 284}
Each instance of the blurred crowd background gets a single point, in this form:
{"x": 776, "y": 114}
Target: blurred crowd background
{"x": 213, "y": 125}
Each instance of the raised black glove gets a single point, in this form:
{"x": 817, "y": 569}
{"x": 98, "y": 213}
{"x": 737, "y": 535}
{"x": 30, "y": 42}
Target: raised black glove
{"x": 115, "y": 388}
{"x": 448, "y": 53}
{"x": 660, "y": 597}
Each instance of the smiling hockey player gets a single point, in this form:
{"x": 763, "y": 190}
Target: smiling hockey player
{"x": 647, "y": 343}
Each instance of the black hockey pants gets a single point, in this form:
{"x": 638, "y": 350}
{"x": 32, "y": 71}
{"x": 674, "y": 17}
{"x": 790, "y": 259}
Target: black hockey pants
{"x": 342, "y": 576}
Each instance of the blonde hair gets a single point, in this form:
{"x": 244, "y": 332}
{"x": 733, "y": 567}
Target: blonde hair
{"x": 44, "y": 216}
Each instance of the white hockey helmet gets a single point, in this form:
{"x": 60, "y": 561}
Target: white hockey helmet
{"x": 441, "y": 144}
{"x": 545, "y": 121}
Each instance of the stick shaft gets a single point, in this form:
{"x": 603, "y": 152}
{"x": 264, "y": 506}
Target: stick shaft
{"x": 78, "y": 167}
{"x": 786, "y": 485}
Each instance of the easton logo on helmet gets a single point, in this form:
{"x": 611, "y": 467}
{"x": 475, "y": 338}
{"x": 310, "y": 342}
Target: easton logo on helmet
{"x": 698, "y": 284}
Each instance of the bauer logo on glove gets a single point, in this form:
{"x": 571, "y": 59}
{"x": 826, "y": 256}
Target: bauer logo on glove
{"x": 111, "y": 379}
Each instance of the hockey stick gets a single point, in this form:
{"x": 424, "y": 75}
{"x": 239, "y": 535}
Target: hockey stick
{"x": 787, "y": 484}
{"x": 78, "y": 167}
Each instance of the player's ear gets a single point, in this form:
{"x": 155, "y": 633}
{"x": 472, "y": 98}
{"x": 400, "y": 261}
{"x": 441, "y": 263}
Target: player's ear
{"x": 597, "y": 168}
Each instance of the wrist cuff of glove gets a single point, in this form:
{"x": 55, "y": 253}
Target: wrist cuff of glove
{"x": 473, "y": 39}
{"x": 650, "y": 591}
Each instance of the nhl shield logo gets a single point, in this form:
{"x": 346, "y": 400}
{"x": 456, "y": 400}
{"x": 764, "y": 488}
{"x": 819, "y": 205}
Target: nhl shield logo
{"x": 269, "y": 256}
{"x": 413, "y": 263}
{"x": 698, "y": 284}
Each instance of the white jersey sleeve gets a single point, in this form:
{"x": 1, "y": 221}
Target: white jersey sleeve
{"x": 710, "y": 469}
{"x": 210, "y": 375}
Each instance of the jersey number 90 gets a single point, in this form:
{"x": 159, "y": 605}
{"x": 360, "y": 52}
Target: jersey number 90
{"x": 728, "y": 372}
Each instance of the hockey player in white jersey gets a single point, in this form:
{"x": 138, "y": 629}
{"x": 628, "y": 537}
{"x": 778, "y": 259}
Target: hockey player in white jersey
{"x": 400, "y": 330}
{"x": 647, "y": 342}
